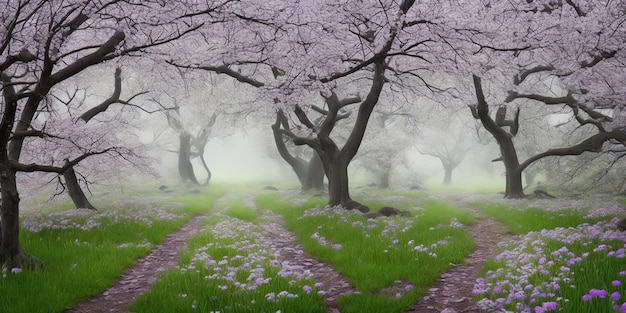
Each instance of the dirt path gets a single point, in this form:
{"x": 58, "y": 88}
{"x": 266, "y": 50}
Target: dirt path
{"x": 285, "y": 247}
{"x": 137, "y": 279}
{"x": 291, "y": 253}
{"x": 451, "y": 293}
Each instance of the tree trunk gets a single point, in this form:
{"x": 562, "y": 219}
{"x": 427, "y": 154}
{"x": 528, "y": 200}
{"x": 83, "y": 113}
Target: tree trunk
{"x": 314, "y": 176}
{"x": 206, "y": 168}
{"x": 337, "y": 174}
{"x": 76, "y": 193}
{"x": 385, "y": 179}
{"x": 529, "y": 177}
{"x": 185, "y": 168}
{"x": 299, "y": 166}
{"x": 447, "y": 176}
{"x": 9, "y": 215}
{"x": 514, "y": 188}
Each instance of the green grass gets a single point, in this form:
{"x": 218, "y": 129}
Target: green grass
{"x": 561, "y": 266}
{"x": 522, "y": 220}
{"x": 225, "y": 269}
{"x": 238, "y": 210}
{"x": 83, "y": 262}
{"x": 375, "y": 254}
{"x": 482, "y": 186}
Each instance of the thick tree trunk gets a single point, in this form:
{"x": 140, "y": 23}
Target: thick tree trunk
{"x": 9, "y": 214}
{"x": 447, "y": 176}
{"x": 314, "y": 176}
{"x": 185, "y": 168}
{"x": 514, "y": 188}
{"x": 337, "y": 174}
{"x": 76, "y": 193}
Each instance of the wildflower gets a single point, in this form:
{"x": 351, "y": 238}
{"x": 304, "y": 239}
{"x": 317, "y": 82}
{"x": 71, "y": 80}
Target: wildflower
{"x": 337, "y": 246}
{"x": 587, "y": 297}
{"x": 318, "y": 285}
{"x": 615, "y": 296}
{"x": 549, "y": 306}
{"x": 616, "y": 283}
{"x": 16, "y": 270}
{"x": 622, "y": 273}
{"x": 408, "y": 287}
{"x": 307, "y": 288}
{"x": 597, "y": 293}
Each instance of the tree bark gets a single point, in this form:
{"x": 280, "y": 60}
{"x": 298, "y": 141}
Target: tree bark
{"x": 297, "y": 164}
{"x": 76, "y": 193}
{"x": 185, "y": 168}
{"x": 514, "y": 188}
{"x": 337, "y": 171}
{"x": 314, "y": 174}
{"x": 336, "y": 161}
{"x": 311, "y": 173}
{"x": 206, "y": 168}
{"x": 447, "y": 177}
{"x": 11, "y": 254}
{"x": 9, "y": 214}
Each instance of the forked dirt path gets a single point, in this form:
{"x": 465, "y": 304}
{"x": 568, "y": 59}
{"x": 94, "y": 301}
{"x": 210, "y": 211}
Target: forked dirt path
{"x": 137, "y": 279}
{"x": 285, "y": 247}
{"x": 452, "y": 291}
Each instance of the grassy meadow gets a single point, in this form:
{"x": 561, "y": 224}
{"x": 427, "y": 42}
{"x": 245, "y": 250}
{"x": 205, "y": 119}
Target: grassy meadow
{"x": 565, "y": 254}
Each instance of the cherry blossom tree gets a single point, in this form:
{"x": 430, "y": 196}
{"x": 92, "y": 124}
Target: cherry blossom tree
{"x": 332, "y": 49}
{"x": 571, "y": 62}
{"x": 46, "y": 43}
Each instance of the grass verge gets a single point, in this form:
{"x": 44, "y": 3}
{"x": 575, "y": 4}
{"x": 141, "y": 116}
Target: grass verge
{"x": 390, "y": 261}
{"x": 231, "y": 267}
{"x": 86, "y": 251}
{"x": 569, "y": 260}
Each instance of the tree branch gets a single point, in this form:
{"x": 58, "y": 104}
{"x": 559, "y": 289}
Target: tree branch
{"x": 591, "y": 144}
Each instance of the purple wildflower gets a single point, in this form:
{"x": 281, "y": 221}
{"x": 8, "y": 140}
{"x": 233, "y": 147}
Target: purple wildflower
{"x": 597, "y": 293}
{"x": 549, "y": 306}
{"x": 615, "y": 296}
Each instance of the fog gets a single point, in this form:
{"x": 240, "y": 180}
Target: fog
{"x": 252, "y": 159}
